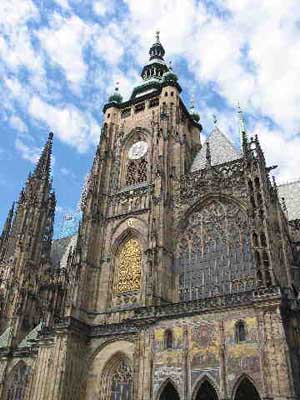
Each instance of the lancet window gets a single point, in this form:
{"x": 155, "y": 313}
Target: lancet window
{"x": 214, "y": 253}
{"x": 128, "y": 267}
{"x": 240, "y": 332}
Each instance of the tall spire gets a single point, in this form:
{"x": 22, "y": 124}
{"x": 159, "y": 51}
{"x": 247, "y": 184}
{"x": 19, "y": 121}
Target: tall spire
{"x": 43, "y": 167}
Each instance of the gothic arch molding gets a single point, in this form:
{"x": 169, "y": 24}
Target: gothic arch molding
{"x": 164, "y": 385}
{"x": 206, "y": 200}
{"x": 129, "y": 227}
{"x": 143, "y": 132}
{"x": 117, "y": 378}
{"x": 128, "y": 233}
{"x": 201, "y": 381}
{"x": 245, "y": 378}
{"x": 100, "y": 359}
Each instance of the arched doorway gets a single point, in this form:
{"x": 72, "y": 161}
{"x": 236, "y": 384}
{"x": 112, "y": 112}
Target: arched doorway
{"x": 169, "y": 393}
{"x": 206, "y": 391}
{"x": 246, "y": 391}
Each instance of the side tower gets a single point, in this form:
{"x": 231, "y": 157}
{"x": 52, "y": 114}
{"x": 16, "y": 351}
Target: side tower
{"x": 127, "y": 232}
{"x": 25, "y": 246}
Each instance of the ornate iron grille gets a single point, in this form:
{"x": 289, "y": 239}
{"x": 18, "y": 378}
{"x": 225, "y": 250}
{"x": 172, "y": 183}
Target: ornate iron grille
{"x": 136, "y": 171}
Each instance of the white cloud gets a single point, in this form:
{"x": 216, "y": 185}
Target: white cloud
{"x": 17, "y": 123}
{"x": 280, "y": 151}
{"x": 13, "y": 13}
{"x": 16, "y": 48}
{"x": 63, "y": 4}
{"x": 72, "y": 126}
{"x": 64, "y": 42}
{"x": 28, "y": 153}
{"x": 109, "y": 48}
{"x": 103, "y": 7}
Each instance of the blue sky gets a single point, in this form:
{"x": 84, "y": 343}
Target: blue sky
{"x": 60, "y": 59}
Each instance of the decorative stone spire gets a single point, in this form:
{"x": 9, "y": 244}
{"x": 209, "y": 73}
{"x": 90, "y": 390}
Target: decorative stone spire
{"x": 208, "y": 154}
{"x": 215, "y": 120}
{"x": 43, "y": 167}
{"x": 242, "y": 128}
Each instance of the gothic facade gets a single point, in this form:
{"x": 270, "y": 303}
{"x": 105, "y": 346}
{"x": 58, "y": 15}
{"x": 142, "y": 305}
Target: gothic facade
{"x": 183, "y": 280}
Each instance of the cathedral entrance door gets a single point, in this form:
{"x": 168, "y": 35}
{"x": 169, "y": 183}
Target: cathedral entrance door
{"x": 169, "y": 393}
{"x": 206, "y": 392}
{"x": 246, "y": 391}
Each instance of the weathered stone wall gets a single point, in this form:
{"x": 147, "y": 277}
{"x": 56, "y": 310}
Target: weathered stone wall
{"x": 204, "y": 346}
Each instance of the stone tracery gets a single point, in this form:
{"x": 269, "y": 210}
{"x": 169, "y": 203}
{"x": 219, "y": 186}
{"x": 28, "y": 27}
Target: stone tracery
{"x": 214, "y": 255}
{"x": 117, "y": 380}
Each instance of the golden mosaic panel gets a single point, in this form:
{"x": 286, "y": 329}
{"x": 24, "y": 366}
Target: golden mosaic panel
{"x": 128, "y": 267}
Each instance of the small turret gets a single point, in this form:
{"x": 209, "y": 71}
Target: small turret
{"x": 116, "y": 96}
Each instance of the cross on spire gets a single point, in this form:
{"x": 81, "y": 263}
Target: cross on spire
{"x": 157, "y": 33}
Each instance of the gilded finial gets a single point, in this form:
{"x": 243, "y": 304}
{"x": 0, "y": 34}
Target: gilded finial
{"x": 215, "y": 119}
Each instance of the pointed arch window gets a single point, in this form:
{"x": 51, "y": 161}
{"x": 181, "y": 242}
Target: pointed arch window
{"x": 246, "y": 391}
{"x": 128, "y": 267}
{"x": 206, "y": 392}
{"x": 168, "y": 339}
{"x": 117, "y": 380}
{"x": 169, "y": 393}
{"x": 240, "y": 332}
{"x": 214, "y": 254}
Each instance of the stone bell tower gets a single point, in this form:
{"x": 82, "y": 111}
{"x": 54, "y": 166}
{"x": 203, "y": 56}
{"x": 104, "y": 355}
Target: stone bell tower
{"x": 126, "y": 237}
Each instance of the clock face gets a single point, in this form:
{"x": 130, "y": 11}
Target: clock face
{"x": 138, "y": 150}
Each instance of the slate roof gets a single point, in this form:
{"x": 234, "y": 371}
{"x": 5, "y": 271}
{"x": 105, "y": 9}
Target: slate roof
{"x": 291, "y": 194}
{"x": 60, "y": 249}
{"x": 32, "y": 335}
{"x": 221, "y": 149}
{"x": 5, "y": 338}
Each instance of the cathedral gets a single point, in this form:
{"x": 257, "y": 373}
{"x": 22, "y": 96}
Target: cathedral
{"x": 182, "y": 282}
